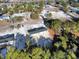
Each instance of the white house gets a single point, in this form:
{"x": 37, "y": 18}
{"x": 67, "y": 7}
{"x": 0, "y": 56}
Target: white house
{"x": 60, "y": 15}
{"x": 37, "y": 33}
{"x": 26, "y": 14}
{"x": 56, "y": 15}
{"x": 4, "y": 17}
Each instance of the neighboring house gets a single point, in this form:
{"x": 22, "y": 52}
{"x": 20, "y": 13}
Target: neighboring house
{"x": 48, "y": 8}
{"x": 74, "y": 15}
{"x": 7, "y": 39}
{"x": 75, "y": 0}
{"x": 4, "y": 17}
{"x": 26, "y": 14}
{"x": 26, "y": 0}
{"x": 74, "y": 9}
{"x": 61, "y": 16}
{"x": 56, "y": 15}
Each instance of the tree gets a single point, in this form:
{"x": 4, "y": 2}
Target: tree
{"x": 10, "y": 53}
{"x": 49, "y": 15}
{"x": 56, "y": 25}
{"x": 11, "y": 11}
{"x": 37, "y": 53}
{"x": 4, "y": 9}
{"x": 71, "y": 54}
{"x": 59, "y": 55}
{"x": 17, "y": 54}
{"x": 69, "y": 25}
{"x": 28, "y": 42}
{"x": 34, "y": 15}
{"x": 25, "y": 7}
{"x": 41, "y": 4}
{"x": 21, "y": 8}
{"x": 17, "y": 19}
{"x": 12, "y": 26}
{"x": 76, "y": 27}
{"x": 46, "y": 54}
{"x": 30, "y": 7}
{"x": 16, "y": 8}
{"x": 69, "y": 57}
{"x": 1, "y": 57}
{"x": 57, "y": 44}
{"x": 49, "y": 1}
{"x": 64, "y": 4}
{"x": 64, "y": 40}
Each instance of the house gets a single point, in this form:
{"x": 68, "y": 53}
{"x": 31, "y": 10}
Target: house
{"x": 3, "y": 17}
{"x": 25, "y": 0}
{"x": 75, "y": 0}
{"x": 20, "y": 42}
{"x": 74, "y": 15}
{"x": 37, "y": 32}
{"x": 6, "y": 39}
{"x": 55, "y": 12}
{"x": 74, "y": 9}
{"x": 55, "y": 15}
{"x": 26, "y": 14}
{"x": 46, "y": 10}
{"x": 41, "y": 37}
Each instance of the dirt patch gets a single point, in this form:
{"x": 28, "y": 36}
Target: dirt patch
{"x": 51, "y": 32}
{"x": 76, "y": 34}
{"x": 4, "y": 23}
